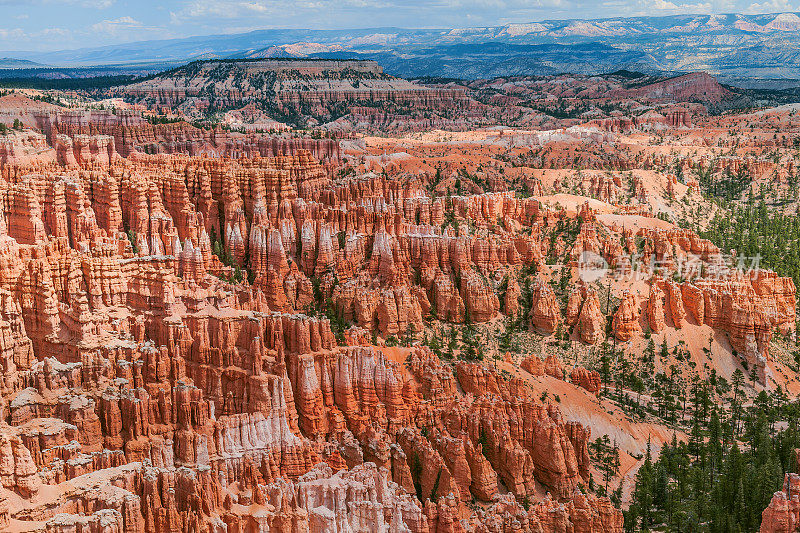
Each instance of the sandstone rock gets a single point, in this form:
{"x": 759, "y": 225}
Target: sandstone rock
{"x": 676, "y": 310}
{"x": 783, "y": 512}
{"x": 545, "y": 312}
{"x": 588, "y": 379}
{"x": 580, "y": 513}
{"x": 551, "y": 366}
{"x": 626, "y": 319}
{"x": 591, "y": 320}
{"x": 173, "y": 300}
{"x": 511, "y": 297}
{"x": 18, "y": 471}
{"x": 693, "y": 302}
{"x": 655, "y": 309}
{"x": 480, "y": 300}
{"x": 574, "y": 306}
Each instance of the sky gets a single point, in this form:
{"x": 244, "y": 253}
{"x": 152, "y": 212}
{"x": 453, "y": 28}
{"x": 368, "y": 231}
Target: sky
{"x": 45, "y": 25}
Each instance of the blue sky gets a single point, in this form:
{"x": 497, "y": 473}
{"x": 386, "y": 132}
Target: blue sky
{"x": 42, "y": 25}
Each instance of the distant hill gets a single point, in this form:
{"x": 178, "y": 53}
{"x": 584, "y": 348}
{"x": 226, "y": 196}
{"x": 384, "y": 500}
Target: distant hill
{"x": 693, "y": 87}
{"x": 731, "y": 47}
{"x": 12, "y": 63}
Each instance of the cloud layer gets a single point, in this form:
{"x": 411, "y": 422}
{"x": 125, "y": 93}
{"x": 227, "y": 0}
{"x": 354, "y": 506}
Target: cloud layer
{"x": 62, "y": 24}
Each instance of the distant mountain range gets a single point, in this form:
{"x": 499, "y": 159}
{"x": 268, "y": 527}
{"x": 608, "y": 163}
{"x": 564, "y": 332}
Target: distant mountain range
{"x": 757, "y": 49}
{"x": 10, "y": 62}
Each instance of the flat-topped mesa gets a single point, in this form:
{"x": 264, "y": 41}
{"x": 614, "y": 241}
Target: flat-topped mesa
{"x": 302, "y": 86}
{"x": 308, "y": 67}
{"x": 686, "y": 88}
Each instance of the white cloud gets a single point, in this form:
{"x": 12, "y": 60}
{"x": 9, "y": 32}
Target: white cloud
{"x": 52, "y": 32}
{"x": 114, "y": 26}
{"x": 93, "y": 4}
{"x": 97, "y": 4}
{"x": 770, "y": 6}
{"x": 18, "y": 34}
{"x": 665, "y": 7}
{"x": 198, "y": 17}
{"x": 15, "y": 33}
{"x": 645, "y": 8}
{"x": 224, "y": 9}
{"x": 231, "y": 9}
{"x": 321, "y": 14}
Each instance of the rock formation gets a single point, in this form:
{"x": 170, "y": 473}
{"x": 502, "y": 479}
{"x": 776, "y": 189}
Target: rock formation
{"x": 174, "y": 356}
{"x": 202, "y": 329}
{"x": 312, "y": 87}
{"x": 655, "y": 309}
{"x": 588, "y": 379}
{"x": 591, "y": 319}
{"x": 545, "y": 312}
{"x": 550, "y": 366}
{"x": 783, "y": 513}
{"x": 626, "y": 319}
